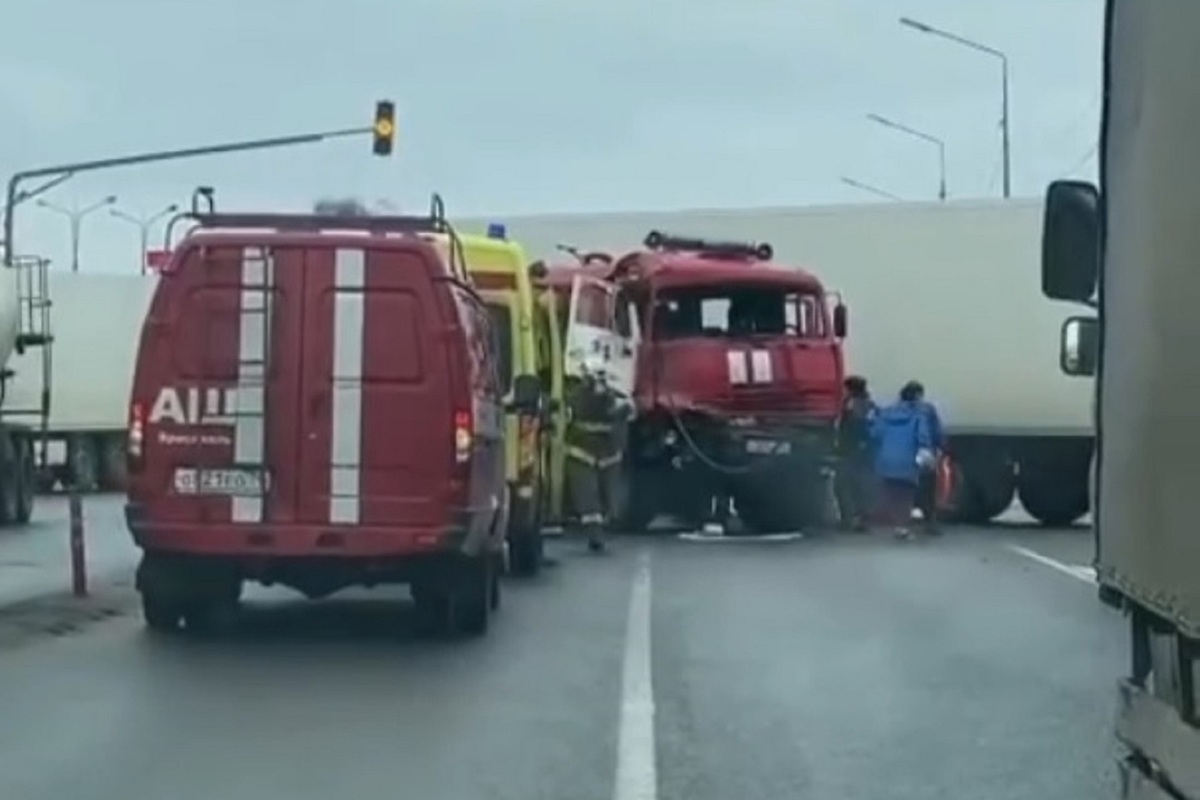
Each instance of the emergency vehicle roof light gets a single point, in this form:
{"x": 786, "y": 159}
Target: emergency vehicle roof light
{"x": 496, "y": 230}
{"x": 657, "y": 240}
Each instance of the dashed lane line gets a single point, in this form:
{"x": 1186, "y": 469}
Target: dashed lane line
{"x": 1077, "y": 571}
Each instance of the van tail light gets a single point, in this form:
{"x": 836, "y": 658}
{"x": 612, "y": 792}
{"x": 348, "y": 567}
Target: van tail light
{"x": 137, "y": 434}
{"x": 464, "y": 437}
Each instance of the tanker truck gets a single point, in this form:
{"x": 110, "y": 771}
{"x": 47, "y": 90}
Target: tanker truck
{"x": 25, "y": 345}
{"x": 1130, "y": 252}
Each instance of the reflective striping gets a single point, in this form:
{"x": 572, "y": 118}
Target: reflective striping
{"x": 736, "y": 360}
{"x": 345, "y": 457}
{"x": 249, "y": 433}
{"x": 760, "y": 367}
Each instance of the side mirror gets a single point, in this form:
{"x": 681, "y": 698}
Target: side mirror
{"x": 1079, "y": 346}
{"x": 1071, "y": 245}
{"x": 527, "y": 394}
{"x": 841, "y": 320}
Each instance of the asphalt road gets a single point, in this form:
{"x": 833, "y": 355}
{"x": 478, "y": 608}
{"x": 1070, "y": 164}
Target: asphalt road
{"x": 832, "y": 669}
{"x": 35, "y": 559}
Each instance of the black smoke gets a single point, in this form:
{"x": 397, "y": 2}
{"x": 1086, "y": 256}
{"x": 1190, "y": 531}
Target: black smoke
{"x": 341, "y": 207}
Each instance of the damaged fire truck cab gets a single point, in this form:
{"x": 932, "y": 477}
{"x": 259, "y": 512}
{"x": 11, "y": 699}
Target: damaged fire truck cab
{"x": 736, "y": 373}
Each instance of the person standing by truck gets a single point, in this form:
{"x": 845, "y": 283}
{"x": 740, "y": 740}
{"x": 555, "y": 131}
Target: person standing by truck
{"x": 593, "y": 450}
{"x": 902, "y": 442}
{"x": 927, "y": 482}
{"x": 855, "y": 478}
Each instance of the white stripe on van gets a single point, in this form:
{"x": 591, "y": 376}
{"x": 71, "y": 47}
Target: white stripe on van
{"x": 760, "y": 367}
{"x": 736, "y": 361}
{"x": 253, "y": 323}
{"x": 345, "y": 458}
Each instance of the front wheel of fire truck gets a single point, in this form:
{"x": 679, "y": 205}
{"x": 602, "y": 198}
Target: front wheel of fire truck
{"x": 782, "y": 503}
{"x": 631, "y": 498}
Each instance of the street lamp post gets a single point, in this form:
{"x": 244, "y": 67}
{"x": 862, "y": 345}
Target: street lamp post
{"x": 75, "y": 215}
{"x": 143, "y": 225}
{"x": 941, "y": 146}
{"x": 991, "y": 51}
{"x": 866, "y": 187}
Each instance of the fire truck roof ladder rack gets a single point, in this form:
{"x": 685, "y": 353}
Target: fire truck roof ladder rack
{"x": 657, "y": 240}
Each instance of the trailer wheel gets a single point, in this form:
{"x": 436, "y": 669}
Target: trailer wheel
{"x": 83, "y": 463}
{"x": 10, "y": 479}
{"x": 1055, "y": 504}
{"x": 112, "y": 463}
{"x": 26, "y": 481}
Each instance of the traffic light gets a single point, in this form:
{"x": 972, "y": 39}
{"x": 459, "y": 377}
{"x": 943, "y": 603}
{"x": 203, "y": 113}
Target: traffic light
{"x": 385, "y": 127}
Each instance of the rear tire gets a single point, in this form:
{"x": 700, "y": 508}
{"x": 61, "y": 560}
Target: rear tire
{"x": 161, "y": 614}
{"x": 26, "y": 481}
{"x": 472, "y": 598}
{"x": 10, "y": 480}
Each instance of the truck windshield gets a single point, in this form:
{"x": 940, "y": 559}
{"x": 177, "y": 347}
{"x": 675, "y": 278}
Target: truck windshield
{"x": 732, "y": 311}
{"x": 502, "y": 329}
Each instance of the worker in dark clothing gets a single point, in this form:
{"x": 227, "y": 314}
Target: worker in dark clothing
{"x": 595, "y": 415}
{"x": 855, "y": 478}
{"x": 927, "y": 484}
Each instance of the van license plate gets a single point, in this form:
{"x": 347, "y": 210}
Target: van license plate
{"x": 768, "y": 447}
{"x": 228, "y": 482}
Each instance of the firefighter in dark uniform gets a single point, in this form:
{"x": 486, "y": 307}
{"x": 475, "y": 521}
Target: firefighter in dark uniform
{"x": 595, "y": 416}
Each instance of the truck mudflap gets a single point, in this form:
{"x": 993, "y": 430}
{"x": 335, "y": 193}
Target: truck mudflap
{"x": 299, "y": 540}
{"x": 1165, "y": 749}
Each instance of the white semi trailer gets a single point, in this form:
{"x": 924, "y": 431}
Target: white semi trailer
{"x": 947, "y": 293}
{"x": 97, "y": 319}
{"x": 1130, "y": 251}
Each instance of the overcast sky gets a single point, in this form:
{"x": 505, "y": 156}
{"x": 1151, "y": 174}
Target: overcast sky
{"x": 538, "y": 105}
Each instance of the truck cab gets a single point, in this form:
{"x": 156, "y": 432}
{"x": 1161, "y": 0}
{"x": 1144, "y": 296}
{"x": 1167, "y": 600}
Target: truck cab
{"x": 734, "y": 365}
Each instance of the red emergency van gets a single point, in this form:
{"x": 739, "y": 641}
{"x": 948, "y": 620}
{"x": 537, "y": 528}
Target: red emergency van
{"x": 316, "y": 404}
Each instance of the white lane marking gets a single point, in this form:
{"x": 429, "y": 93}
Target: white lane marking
{"x": 637, "y": 775}
{"x": 254, "y": 325}
{"x": 1079, "y": 572}
{"x": 345, "y": 448}
{"x": 694, "y": 536}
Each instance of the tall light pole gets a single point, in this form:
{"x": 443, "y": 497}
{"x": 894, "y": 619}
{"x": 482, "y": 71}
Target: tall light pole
{"x": 866, "y": 187}
{"x": 144, "y": 224}
{"x": 75, "y": 215}
{"x": 941, "y": 146}
{"x": 991, "y": 51}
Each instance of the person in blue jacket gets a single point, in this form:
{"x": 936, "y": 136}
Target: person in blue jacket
{"x": 903, "y": 444}
{"x": 927, "y": 490}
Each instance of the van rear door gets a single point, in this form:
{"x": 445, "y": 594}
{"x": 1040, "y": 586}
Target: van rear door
{"x": 264, "y": 369}
{"x": 376, "y": 416}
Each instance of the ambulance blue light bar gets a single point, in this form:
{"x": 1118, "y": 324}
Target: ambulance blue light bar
{"x": 496, "y": 230}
